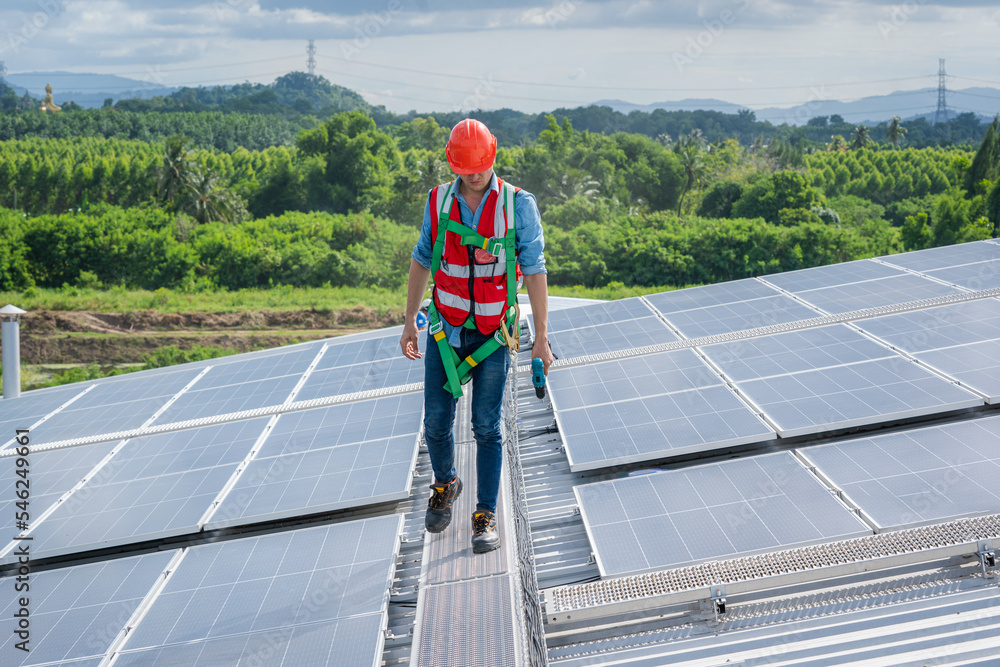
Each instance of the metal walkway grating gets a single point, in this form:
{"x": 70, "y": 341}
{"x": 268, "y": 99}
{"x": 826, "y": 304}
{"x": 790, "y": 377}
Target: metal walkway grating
{"x": 698, "y": 582}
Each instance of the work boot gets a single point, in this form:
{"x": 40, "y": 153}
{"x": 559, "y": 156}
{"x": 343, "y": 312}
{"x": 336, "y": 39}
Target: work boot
{"x": 484, "y": 532}
{"x": 438, "y": 514}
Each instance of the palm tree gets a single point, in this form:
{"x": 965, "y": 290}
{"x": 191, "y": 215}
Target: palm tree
{"x": 895, "y": 132}
{"x": 174, "y": 173}
{"x": 861, "y": 138}
{"x": 689, "y": 149}
{"x": 209, "y": 201}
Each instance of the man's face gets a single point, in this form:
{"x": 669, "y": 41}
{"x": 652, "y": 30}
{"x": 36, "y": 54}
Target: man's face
{"x": 478, "y": 182}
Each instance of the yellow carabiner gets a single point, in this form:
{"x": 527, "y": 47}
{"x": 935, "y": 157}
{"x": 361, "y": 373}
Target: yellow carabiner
{"x": 510, "y": 338}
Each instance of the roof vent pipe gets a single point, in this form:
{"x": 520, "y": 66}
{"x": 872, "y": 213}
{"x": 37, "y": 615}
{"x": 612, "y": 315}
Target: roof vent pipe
{"x": 10, "y": 340}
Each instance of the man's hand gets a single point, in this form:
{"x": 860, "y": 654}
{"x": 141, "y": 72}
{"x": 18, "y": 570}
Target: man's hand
{"x": 408, "y": 341}
{"x": 542, "y": 351}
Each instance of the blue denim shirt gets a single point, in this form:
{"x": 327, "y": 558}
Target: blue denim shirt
{"x": 528, "y": 239}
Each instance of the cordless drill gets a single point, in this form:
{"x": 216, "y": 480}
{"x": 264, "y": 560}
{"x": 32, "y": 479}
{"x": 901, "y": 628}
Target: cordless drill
{"x": 538, "y": 377}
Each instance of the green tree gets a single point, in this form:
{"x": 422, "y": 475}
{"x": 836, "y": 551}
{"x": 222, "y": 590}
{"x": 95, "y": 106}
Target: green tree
{"x": 358, "y": 158}
{"x": 689, "y": 149}
{"x": 916, "y": 232}
{"x": 174, "y": 172}
{"x": 770, "y": 195}
{"x": 986, "y": 163}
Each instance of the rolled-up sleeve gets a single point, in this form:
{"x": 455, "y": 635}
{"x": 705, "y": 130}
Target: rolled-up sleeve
{"x": 422, "y": 252}
{"x": 530, "y": 240}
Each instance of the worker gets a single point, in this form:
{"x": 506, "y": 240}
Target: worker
{"x": 422, "y": 314}
{"x": 468, "y": 244}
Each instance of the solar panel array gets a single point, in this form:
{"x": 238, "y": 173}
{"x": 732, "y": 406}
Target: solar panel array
{"x": 647, "y": 407}
{"x": 962, "y": 340}
{"x": 310, "y": 596}
{"x": 786, "y": 384}
{"x": 918, "y": 476}
{"x": 248, "y": 471}
{"x": 740, "y": 506}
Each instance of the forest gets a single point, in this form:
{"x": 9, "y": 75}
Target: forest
{"x": 241, "y": 194}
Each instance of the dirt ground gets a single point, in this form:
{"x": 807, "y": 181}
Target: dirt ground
{"x": 74, "y": 337}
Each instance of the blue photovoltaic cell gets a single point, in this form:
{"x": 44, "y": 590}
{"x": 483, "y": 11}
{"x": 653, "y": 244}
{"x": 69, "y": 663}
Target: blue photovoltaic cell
{"x": 600, "y": 313}
{"x": 225, "y": 373}
{"x": 740, "y": 316}
{"x": 610, "y": 337}
{"x": 936, "y": 328}
{"x": 939, "y": 258}
{"x": 363, "y": 377}
{"x": 874, "y": 293}
{"x": 315, "y": 592}
{"x": 331, "y": 458}
{"x": 794, "y": 351}
{"x": 76, "y": 612}
{"x": 635, "y": 377}
{"x": 978, "y": 276}
{"x": 23, "y": 412}
{"x": 863, "y": 393}
{"x": 196, "y": 404}
{"x": 976, "y": 365}
{"x": 831, "y": 275}
{"x": 156, "y": 486}
{"x": 51, "y": 474}
{"x": 349, "y": 352}
{"x": 657, "y": 427}
{"x": 710, "y": 295}
{"x": 720, "y": 510}
{"x": 919, "y": 476}
{"x": 117, "y": 404}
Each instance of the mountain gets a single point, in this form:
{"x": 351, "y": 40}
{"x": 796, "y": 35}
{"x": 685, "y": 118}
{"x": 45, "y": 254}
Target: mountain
{"x": 87, "y": 90}
{"x": 908, "y": 104}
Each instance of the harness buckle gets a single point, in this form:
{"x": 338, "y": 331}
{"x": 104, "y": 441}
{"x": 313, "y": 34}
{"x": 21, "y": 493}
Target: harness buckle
{"x": 435, "y": 327}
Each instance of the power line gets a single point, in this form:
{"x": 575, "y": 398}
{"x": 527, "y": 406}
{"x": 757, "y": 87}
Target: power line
{"x": 659, "y": 89}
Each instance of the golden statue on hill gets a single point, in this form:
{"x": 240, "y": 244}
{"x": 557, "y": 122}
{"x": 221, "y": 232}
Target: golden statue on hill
{"x": 48, "y": 104}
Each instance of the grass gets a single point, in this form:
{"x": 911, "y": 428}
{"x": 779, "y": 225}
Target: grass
{"x": 283, "y": 297}
{"x": 165, "y": 300}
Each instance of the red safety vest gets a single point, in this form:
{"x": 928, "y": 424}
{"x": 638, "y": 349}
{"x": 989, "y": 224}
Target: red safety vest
{"x": 470, "y": 277}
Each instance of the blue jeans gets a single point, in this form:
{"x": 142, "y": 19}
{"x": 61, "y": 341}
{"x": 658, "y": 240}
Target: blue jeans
{"x": 489, "y": 379}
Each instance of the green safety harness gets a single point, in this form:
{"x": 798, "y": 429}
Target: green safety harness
{"x": 459, "y": 371}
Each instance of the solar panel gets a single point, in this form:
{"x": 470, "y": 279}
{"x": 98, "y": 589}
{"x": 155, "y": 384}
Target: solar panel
{"x": 939, "y": 258}
{"x": 874, "y": 293}
{"x": 599, "y": 313}
{"x": 154, "y": 487}
{"x": 710, "y": 295}
{"x": 975, "y": 365}
{"x": 635, "y": 377}
{"x": 740, "y": 506}
{"x": 610, "y": 337}
{"x": 978, "y": 276}
{"x": 918, "y": 476}
{"x": 349, "y": 352}
{"x": 197, "y": 404}
{"x": 845, "y": 396}
{"x": 793, "y": 351}
{"x": 831, "y": 275}
{"x": 76, "y": 612}
{"x": 53, "y": 473}
{"x": 936, "y": 328}
{"x": 330, "y": 458}
{"x": 364, "y": 376}
{"x": 740, "y": 316}
{"x": 645, "y": 408}
{"x": 313, "y": 596}
{"x": 113, "y": 405}
{"x": 25, "y": 411}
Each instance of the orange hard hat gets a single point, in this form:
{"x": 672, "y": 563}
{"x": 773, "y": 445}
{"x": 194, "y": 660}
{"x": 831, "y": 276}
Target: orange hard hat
{"x": 471, "y": 148}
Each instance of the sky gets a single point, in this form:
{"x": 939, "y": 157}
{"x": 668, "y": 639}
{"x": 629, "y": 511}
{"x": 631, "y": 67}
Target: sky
{"x": 530, "y": 55}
